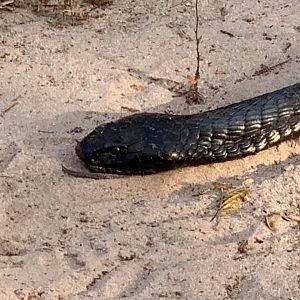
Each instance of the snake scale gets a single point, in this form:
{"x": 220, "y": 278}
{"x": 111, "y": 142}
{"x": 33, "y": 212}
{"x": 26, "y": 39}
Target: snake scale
{"x": 147, "y": 143}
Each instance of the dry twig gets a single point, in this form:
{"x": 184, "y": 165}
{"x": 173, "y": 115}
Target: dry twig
{"x": 195, "y": 96}
{"x": 7, "y": 109}
{"x": 266, "y": 69}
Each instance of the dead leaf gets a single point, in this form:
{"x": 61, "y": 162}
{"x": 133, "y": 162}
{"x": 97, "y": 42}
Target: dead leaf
{"x": 192, "y": 79}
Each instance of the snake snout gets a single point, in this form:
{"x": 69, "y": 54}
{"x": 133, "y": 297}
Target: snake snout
{"x": 78, "y": 150}
{"x": 84, "y": 151}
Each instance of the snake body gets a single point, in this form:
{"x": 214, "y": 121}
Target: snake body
{"x": 147, "y": 143}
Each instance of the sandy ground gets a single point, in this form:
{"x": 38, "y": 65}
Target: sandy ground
{"x": 142, "y": 237}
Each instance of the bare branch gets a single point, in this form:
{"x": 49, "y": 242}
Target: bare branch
{"x": 194, "y": 96}
{"x": 198, "y": 39}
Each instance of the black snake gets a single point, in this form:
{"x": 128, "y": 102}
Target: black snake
{"x": 152, "y": 142}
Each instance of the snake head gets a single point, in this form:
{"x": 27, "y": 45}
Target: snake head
{"x": 138, "y": 144}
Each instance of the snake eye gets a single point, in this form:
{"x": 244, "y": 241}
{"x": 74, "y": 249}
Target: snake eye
{"x": 118, "y": 150}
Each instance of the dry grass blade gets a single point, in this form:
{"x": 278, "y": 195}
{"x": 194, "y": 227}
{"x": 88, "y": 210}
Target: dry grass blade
{"x": 216, "y": 186}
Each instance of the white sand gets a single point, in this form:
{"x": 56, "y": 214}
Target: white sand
{"x": 141, "y": 237}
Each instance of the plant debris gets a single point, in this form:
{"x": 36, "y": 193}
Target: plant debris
{"x": 129, "y": 109}
{"x": 274, "y": 221}
{"x": 171, "y": 85}
{"x": 68, "y": 10}
{"x": 231, "y": 201}
{"x": 7, "y": 4}
{"x": 201, "y": 192}
{"x": 224, "y": 186}
{"x": 287, "y": 46}
{"x": 291, "y": 217}
{"x": 77, "y": 15}
{"x": 100, "y": 3}
{"x": 242, "y": 247}
{"x": 193, "y": 96}
{"x": 9, "y": 107}
{"x": 227, "y": 33}
{"x": 297, "y": 28}
{"x": 266, "y": 69}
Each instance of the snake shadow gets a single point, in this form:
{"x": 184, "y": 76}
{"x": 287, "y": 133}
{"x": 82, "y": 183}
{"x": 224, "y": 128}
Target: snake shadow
{"x": 261, "y": 173}
{"x": 56, "y": 137}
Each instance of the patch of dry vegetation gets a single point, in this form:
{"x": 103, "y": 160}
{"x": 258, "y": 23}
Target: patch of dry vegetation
{"x": 67, "y": 10}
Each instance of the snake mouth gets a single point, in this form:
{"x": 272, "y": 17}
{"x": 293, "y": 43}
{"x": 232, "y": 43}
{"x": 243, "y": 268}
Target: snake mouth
{"x": 100, "y": 169}
{"x": 95, "y": 168}
{"x": 119, "y": 172}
